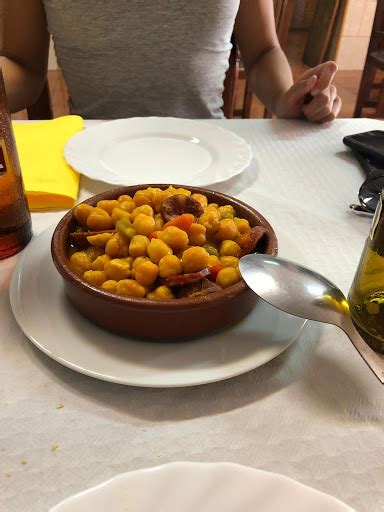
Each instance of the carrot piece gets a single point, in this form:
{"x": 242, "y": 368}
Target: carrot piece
{"x": 214, "y": 270}
{"x": 183, "y": 221}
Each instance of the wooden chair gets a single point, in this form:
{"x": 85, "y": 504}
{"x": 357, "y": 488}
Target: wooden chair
{"x": 283, "y": 16}
{"x": 374, "y": 62}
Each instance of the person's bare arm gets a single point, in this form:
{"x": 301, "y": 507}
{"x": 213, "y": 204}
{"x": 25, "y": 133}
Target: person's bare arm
{"x": 265, "y": 63}
{"x": 24, "y": 51}
{"x": 270, "y": 75}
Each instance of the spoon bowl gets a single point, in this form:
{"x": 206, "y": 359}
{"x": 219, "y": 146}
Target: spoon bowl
{"x": 302, "y": 292}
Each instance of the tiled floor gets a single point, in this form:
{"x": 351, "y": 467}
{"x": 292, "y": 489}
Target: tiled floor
{"x": 347, "y": 83}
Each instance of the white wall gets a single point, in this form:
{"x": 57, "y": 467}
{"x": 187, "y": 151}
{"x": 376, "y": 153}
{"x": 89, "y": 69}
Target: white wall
{"x": 355, "y": 34}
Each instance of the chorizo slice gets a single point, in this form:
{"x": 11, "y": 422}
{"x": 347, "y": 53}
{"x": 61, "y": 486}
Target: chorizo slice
{"x": 178, "y": 204}
{"x": 184, "y": 279}
{"x": 203, "y": 287}
{"x": 249, "y": 242}
{"x": 79, "y": 238}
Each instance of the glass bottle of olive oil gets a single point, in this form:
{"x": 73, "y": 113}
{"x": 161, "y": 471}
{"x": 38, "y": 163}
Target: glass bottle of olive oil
{"x": 366, "y": 296}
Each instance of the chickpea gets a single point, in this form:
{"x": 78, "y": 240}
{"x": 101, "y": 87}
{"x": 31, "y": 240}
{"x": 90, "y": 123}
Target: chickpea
{"x": 154, "y": 193}
{"x": 146, "y": 273}
{"x": 180, "y": 253}
{"x": 82, "y": 212}
{"x": 100, "y": 261}
{"x": 194, "y": 259}
{"x": 136, "y": 263}
{"x": 213, "y": 205}
{"x": 229, "y": 261}
{"x": 197, "y": 234}
{"x": 141, "y": 197}
{"x": 229, "y": 248}
{"x": 124, "y": 197}
{"x": 161, "y": 293}
{"x": 242, "y": 225}
{"x": 170, "y": 191}
{"x": 130, "y": 288}
{"x": 176, "y": 238}
{"x": 138, "y": 246}
{"x": 80, "y": 262}
{"x": 200, "y": 198}
{"x": 128, "y": 206}
{"x": 116, "y": 246}
{"x": 182, "y": 191}
{"x": 227, "y": 230}
{"x": 95, "y": 277}
{"x": 93, "y": 252}
{"x": 213, "y": 260}
{"x": 157, "y": 249}
{"x": 110, "y": 285}
{"x": 145, "y": 209}
{"x": 108, "y": 205}
{"x": 99, "y": 220}
{"x": 130, "y": 260}
{"x": 99, "y": 240}
{"x": 210, "y": 220}
{"x": 125, "y": 250}
{"x": 158, "y": 199}
{"x": 144, "y": 224}
{"x": 117, "y": 214}
{"x": 117, "y": 269}
{"x": 170, "y": 265}
{"x": 227, "y": 277}
{"x": 227, "y": 211}
{"x": 159, "y": 222}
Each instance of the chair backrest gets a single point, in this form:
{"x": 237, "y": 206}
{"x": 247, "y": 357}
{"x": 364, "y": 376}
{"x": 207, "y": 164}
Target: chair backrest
{"x": 376, "y": 42}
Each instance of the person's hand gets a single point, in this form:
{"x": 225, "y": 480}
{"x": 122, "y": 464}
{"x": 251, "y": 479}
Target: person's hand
{"x": 312, "y": 96}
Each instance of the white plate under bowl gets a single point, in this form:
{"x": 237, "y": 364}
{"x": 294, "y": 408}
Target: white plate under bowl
{"x": 158, "y": 150}
{"x": 202, "y": 487}
{"x": 37, "y": 293}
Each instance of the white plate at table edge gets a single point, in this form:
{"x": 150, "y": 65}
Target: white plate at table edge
{"x": 231, "y": 154}
{"x": 202, "y": 485}
{"x": 256, "y": 347}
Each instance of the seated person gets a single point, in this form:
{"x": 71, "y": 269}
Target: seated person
{"x": 124, "y": 58}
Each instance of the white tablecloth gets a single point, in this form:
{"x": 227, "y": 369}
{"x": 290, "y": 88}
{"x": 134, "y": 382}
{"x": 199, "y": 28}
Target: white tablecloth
{"x": 315, "y": 413}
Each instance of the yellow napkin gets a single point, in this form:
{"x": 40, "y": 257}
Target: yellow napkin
{"x": 50, "y": 183}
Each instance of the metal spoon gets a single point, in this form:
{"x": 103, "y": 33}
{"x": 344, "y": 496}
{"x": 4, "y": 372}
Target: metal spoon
{"x": 302, "y": 292}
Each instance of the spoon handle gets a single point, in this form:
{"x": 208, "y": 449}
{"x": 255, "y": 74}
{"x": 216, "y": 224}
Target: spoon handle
{"x": 373, "y": 360}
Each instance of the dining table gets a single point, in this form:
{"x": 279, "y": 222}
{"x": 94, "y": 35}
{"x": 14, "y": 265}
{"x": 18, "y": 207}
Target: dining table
{"x": 315, "y": 413}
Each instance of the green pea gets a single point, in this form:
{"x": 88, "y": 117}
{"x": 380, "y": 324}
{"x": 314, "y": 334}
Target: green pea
{"x": 129, "y": 233}
{"x": 211, "y": 249}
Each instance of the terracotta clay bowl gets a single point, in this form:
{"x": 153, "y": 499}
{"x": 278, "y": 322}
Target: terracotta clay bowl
{"x": 158, "y": 320}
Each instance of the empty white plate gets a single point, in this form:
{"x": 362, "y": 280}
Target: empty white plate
{"x": 40, "y": 306}
{"x": 158, "y": 150}
{"x": 202, "y": 487}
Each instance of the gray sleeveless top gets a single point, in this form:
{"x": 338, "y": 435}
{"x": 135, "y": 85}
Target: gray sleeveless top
{"x": 123, "y": 58}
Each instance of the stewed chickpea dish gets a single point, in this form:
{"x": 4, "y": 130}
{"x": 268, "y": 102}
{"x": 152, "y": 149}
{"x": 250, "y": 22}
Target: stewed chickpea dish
{"x": 160, "y": 244}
